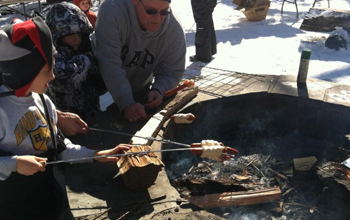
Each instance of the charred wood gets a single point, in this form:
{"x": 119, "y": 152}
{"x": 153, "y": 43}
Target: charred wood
{"x": 236, "y": 198}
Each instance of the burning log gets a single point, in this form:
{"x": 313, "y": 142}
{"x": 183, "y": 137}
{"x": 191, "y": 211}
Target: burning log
{"x": 140, "y": 171}
{"x": 236, "y": 198}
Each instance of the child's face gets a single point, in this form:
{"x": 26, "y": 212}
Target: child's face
{"x": 84, "y": 5}
{"x": 73, "y": 40}
{"x": 41, "y": 82}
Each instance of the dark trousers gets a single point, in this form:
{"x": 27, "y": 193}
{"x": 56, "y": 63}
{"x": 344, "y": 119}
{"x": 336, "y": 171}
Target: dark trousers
{"x": 37, "y": 197}
{"x": 205, "y": 39}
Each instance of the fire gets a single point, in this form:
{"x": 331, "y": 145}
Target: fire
{"x": 348, "y": 175}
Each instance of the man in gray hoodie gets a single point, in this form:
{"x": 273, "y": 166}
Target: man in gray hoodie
{"x": 140, "y": 46}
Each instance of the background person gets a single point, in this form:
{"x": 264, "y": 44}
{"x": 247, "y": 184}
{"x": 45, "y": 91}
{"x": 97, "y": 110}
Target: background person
{"x": 78, "y": 83}
{"x": 205, "y": 38}
{"x": 85, "y": 6}
{"x": 141, "y": 48}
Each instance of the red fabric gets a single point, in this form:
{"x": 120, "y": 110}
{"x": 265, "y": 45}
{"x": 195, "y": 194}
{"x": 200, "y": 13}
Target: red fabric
{"x": 23, "y": 29}
{"x": 22, "y": 91}
{"x": 19, "y": 31}
{"x": 92, "y": 17}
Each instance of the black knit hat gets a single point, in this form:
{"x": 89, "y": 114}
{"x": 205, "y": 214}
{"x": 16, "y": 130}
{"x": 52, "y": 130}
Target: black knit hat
{"x": 24, "y": 49}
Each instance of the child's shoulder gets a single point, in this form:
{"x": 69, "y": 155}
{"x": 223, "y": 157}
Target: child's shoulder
{"x": 92, "y": 13}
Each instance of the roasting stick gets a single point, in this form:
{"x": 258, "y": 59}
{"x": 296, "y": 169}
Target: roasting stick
{"x": 232, "y": 151}
{"x": 147, "y": 138}
{"x": 120, "y": 155}
{"x": 195, "y": 148}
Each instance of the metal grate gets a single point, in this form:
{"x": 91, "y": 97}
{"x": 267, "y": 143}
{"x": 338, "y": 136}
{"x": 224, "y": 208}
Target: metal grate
{"x": 219, "y": 82}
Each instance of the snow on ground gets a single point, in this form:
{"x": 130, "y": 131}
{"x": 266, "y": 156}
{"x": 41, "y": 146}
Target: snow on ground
{"x": 272, "y": 46}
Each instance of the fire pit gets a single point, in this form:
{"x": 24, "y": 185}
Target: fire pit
{"x": 289, "y": 145}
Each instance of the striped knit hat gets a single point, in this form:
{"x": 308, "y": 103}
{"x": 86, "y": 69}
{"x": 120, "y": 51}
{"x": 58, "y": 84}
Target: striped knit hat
{"x": 25, "y": 48}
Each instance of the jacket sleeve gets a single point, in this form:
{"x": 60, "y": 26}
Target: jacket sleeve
{"x": 8, "y": 165}
{"x": 72, "y": 151}
{"x": 70, "y": 74}
{"x": 107, "y": 47}
{"x": 169, "y": 71}
{"x": 75, "y": 151}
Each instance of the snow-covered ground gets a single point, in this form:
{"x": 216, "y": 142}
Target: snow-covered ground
{"x": 272, "y": 46}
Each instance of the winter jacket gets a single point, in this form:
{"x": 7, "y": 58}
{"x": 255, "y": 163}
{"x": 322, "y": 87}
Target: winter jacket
{"x": 78, "y": 84}
{"x": 130, "y": 58}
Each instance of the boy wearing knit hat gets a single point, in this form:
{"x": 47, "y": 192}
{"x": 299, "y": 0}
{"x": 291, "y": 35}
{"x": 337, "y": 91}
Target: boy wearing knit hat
{"x": 28, "y": 132}
{"x": 140, "y": 47}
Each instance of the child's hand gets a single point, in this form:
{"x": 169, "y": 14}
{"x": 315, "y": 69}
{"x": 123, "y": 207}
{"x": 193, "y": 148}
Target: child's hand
{"x": 28, "y": 165}
{"x": 121, "y": 148}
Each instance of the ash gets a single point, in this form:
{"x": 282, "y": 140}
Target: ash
{"x": 305, "y": 194}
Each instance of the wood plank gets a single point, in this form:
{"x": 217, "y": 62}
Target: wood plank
{"x": 236, "y": 198}
{"x": 149, "y": 130}
{"x": 153, "y": 126}
{"x": 181, "y": 98}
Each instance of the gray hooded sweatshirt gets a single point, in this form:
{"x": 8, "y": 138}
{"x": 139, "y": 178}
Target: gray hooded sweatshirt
{"x": 130, "y": 58}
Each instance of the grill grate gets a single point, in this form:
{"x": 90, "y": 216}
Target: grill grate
{"x": 220, "y": 83}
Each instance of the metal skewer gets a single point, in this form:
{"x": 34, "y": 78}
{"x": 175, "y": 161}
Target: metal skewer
{"x": 124, "y": 154}
{"x": 164, "y": 141}
{"x": 188, "y": 147}
{"x": 147, "y": 138}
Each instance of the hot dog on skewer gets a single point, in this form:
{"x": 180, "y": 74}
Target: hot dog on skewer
{"x": 187, "y": 118}
{"x": 213, "y": 149}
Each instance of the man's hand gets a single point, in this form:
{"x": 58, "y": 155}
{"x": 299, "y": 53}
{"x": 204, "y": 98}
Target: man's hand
{"x": 121, "y": 148}
{"x": 71, "y": 124}
{"x": 28, "y": 165}
{"x": 154, "y": 99}
{"x": 135, "y": 112}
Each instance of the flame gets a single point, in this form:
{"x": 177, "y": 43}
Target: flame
{"x": 347, "y": 175}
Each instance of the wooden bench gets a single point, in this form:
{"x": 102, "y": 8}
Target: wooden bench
{"x": 6, "y": 3}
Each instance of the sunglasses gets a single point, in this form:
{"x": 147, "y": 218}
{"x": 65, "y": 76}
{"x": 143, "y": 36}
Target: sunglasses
{"x": 153, "y": 11}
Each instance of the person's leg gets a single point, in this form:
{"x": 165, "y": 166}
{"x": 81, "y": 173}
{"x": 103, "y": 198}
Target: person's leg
{"x": 202, "y": 13}
{"x": 212, "y": 29}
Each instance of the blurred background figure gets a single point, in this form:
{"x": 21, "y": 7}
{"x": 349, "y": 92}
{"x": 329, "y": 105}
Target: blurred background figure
{"x": 85, "y": 6}
{"x": 205, "y": 39}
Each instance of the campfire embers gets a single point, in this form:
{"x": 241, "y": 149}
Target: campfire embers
{"x": 242, "y": 175}
{"x": 292, "y": 185}
{"x": 285, "y": 143}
